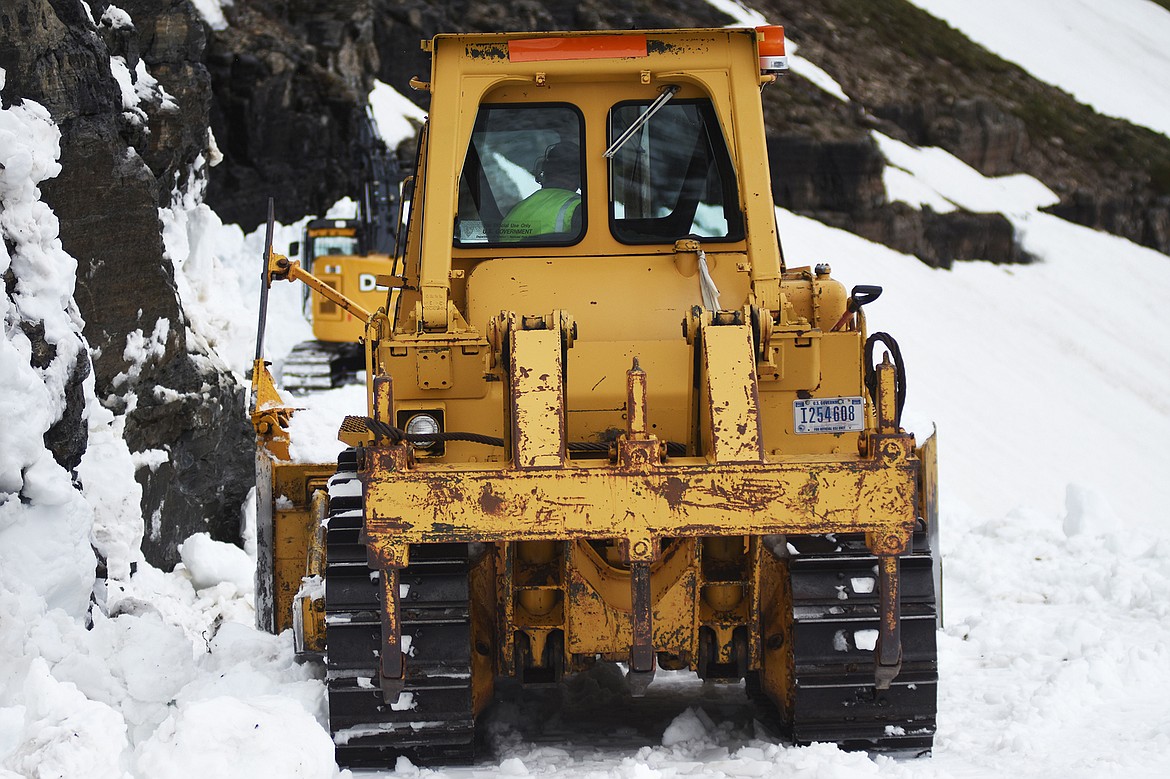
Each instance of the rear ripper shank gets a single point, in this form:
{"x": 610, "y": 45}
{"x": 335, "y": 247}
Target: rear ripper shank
{"x": 630, "y": 434}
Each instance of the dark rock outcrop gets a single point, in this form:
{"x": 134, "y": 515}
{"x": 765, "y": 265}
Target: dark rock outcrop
{"x": 169, "y": 37}
{"x": 119, "y": 164}
{"x": 938, "y": 239}
{"x": 839, "y": 182}
{"x": 811, "y": 174}
{"x": 977, "y": 131}
{"x": 290, "y": 84}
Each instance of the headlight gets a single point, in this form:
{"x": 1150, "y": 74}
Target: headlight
{"x": 423, "y": 424}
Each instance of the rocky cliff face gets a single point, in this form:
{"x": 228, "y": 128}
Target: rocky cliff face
{"x": 123, "y": 153}
{"x": 290, "y": 82}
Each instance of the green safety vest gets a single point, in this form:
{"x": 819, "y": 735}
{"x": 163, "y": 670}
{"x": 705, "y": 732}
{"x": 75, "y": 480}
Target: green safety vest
{"x": 541, "y": 213}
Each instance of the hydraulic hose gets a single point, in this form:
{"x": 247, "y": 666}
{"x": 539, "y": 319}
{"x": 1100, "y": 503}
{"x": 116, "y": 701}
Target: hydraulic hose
{"x": 899, "y": 371}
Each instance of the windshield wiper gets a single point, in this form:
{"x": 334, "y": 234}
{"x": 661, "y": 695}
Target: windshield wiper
{"x": 667, "y": 92}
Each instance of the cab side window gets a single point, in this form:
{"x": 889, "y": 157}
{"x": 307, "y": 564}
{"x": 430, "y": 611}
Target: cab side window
{"x": 522, "y": 179}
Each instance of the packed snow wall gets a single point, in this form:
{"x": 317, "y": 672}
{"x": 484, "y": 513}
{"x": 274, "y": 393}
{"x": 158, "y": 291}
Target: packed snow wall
{"x": 129, "y": 144}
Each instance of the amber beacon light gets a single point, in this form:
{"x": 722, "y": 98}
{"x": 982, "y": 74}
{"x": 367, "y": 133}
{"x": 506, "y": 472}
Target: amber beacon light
{"x": 773, "y": 59}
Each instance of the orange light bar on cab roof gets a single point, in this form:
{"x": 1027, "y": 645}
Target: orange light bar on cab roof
{"x": 773, "y": 58}
{"x": 585, "y": 47}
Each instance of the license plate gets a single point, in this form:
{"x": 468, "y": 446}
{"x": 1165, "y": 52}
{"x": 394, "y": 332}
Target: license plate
{"x": 828, "y": 415}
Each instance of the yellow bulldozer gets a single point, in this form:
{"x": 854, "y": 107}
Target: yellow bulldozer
{"x": 606, "y": 422}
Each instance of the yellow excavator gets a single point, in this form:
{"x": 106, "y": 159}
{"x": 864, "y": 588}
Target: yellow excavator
{"x": 348, "y": 255}
{"x": 606, "y": 422}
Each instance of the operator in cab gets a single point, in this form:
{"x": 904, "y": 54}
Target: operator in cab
{"x": 554, "y": 209}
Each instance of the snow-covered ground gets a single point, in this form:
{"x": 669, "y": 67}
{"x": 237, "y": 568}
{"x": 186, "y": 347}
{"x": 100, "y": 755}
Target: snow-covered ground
{"x": 1048, "y": 383}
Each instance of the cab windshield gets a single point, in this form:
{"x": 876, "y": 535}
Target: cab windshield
{"x": 674, "y": 177}
{"x": 333, "y": 245}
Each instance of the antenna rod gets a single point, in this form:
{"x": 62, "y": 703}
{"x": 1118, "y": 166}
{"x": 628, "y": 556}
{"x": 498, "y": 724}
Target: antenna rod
{"x": 265, "y": 283}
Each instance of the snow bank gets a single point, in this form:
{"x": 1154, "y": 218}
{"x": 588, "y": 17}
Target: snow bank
{"x": 313, "y": 429}
{"x": 44, "y": 522}
{"x": 218, "y": 272}
{"x": 61, "y": 733}
{"x": 107, "y": 476}
{"x": 213, "y": 562}
{"x": 267, "y": 736}
{"x": 177, "y": 669}
{"x": 169, "y": 677}
{"x": 212, "y": 12}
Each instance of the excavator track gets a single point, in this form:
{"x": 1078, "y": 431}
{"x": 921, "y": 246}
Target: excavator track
{"x": 835, "y": 621}
{"x": 321, "y": 365}
{"x": 432, "y": 720}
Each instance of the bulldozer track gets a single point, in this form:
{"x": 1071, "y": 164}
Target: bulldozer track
{"x": 321, "y": 365}
{"x": 835, "y": 619}
{"x": 432, "y": 720}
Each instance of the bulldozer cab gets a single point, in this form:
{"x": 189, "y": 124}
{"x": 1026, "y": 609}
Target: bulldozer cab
{"x": 653, "y": 225}
{"x": 658, "y": 144}
{"x": 605, "y": 422}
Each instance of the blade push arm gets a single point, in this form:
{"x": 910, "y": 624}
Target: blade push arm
{"x": 280, "y": 268}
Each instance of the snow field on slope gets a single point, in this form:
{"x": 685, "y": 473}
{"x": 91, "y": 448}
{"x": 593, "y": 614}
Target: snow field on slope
{"x": 1055, "y": 545}
{"x": 1112, "y": 56}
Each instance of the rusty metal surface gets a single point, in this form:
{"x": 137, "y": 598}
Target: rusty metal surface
{"x": 774, "y": 630}
{"x": 887, "y": 406}
{"x": 888, "y": 653}
{"x": 391, "y": 667}
{"x": 601, "y": 597}
{"x": 286, "y": 525}
{"x": 537, "y": 398}
{"x": 312, "y": 609}
{"x": 636, "y": 424}
{"x": 417, "y": 503}
{"x": 642, "y": 646}
{"x": 729, "y": 370}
